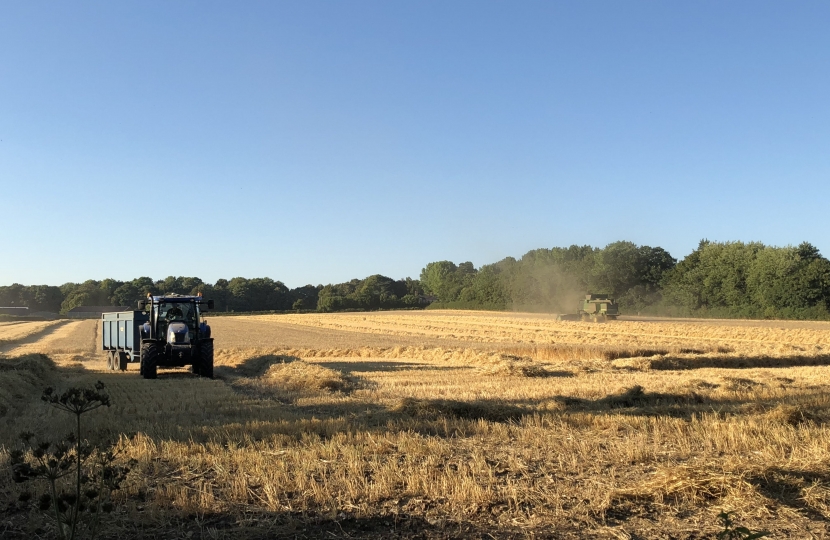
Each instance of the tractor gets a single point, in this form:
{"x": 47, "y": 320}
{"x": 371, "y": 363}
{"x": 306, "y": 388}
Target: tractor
{"x": 175, "y": 334}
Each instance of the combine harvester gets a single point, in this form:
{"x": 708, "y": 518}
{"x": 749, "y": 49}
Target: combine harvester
{"x": 595, "y": 307}
{"x": 165, "y": 331}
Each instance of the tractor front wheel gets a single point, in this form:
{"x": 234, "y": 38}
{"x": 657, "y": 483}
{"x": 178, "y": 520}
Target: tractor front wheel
{"x": 149, "y": 360}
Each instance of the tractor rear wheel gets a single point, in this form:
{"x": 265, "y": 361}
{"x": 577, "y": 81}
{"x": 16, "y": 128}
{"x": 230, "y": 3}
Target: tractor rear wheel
{"x": 123, "y": 359}
{"x": 149, "y": 360}
{"x": 203, "y": 363}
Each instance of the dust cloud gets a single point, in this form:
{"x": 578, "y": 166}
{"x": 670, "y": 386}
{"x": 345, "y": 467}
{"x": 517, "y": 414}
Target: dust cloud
{"x": 546, "y": 289}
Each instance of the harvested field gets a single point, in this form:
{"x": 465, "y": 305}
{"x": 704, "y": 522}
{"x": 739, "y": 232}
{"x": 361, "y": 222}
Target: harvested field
{"x": 72, "y": 337}
{"x": 16, "y": 332}
{"x": 454, "y": 424}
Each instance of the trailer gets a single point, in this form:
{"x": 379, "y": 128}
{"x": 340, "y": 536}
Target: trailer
{"x": 121, "y": 337}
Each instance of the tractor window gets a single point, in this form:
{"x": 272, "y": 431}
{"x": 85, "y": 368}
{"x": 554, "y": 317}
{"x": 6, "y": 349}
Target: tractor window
{"x": 178, "y": 311}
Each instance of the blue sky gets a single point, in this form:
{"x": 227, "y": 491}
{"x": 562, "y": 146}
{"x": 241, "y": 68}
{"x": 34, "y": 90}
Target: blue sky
{"x": 315, "y": 142}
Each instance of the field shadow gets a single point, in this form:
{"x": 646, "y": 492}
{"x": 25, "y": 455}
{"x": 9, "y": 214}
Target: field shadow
{"x": 787, "y": 486}
{"x": 374, "y": 365}
{"x": 429, "y": 416}
{"x": 560, "y": 373}
{"x": 254, "y": 524}
{"x": 328, "y": 413}
{"x": 176, "y": 374}
{"x": 725, "y": 361}
{"x": 254, "y": 366}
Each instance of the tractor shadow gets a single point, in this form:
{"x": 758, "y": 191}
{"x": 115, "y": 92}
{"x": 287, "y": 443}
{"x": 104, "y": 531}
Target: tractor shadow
{"x": 725, "y": 361}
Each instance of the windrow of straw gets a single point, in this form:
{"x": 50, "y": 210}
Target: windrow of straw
{"x": 487, "y": 362}
{"x": 741, "y": 484}
{"x": 283, "y": 376}
{"x": 536, "y": 361}
{"x": 511, "y": 365}
{"x": 682, "y": 361}
{"x": 22, "y": 378}
{"x": 299, "y": 376}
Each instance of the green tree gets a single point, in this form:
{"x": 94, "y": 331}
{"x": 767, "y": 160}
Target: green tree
{"x": 445, "y": 280}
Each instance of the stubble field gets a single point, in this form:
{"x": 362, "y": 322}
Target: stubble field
{"x": 450, "y": 424}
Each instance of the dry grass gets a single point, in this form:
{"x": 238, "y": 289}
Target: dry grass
{"x": 21, "y": 378}
{"x": 299, "y": 376}
{"x": 365, "y": 434}
{"x": 15, "y": 332}
{"x": 481, "y": 327}
{"x": 69, "y": 337}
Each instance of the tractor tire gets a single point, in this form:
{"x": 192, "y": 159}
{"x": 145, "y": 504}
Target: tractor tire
{"x": 109, "y": 360}
{"x": 203, "y": 363}
{"x": 149, "y": 360}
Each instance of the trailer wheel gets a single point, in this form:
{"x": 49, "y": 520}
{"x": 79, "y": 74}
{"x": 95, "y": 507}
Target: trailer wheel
{"x": 149, "y": 360}
{"x": 203, "y": 364}
{"x": 112, "y": 360}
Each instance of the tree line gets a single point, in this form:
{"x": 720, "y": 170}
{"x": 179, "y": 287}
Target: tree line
{"x": 718, "y": 279}
{"x": 238, "y": 294}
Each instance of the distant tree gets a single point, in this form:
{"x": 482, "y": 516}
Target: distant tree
{"x": 45, "y": 298}
{"x": 487, "y": 289}
{"x": 307, "y": 293}
{"x": 751, "y": 280}
{"x": 126, "y": 295}
{"x": 88, "y": 293}
{"x": 446, "y": 280}
{"x": 35, "y": 297}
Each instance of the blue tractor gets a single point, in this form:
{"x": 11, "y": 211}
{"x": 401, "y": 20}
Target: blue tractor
{"x": 176, "y": 335}
{"x": 166, "y": 331}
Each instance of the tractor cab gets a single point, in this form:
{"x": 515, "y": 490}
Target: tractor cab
{"x": 175, "y": 318}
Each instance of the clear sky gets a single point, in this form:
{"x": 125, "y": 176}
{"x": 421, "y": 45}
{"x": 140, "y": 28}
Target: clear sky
{"x": 315, "y": 142}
